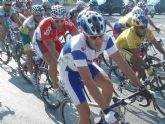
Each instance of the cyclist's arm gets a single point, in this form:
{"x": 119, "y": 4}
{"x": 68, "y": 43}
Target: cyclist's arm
{"x": 109, "y": 24}
{"x": 22, "y": 17}
{"x": 16, "y": 19}
{"x": 52, "y": 49}
{"x": 151, "y": 22}
{"x": 139, "y": 60}
{"x": 123, "y": 65}
{"x": 91, "y": 86}
{"x": 158, "y": 46}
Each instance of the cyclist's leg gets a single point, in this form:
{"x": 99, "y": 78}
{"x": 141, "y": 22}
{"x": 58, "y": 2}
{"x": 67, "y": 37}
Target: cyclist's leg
{"x": 137, "y": 67}
{"x": 71, "y": 82}
{"x": 28, "y": 51}
{"x": 128, "y": 56}
{"x": 104, "y": 83}
{"x": 52, "y": 68}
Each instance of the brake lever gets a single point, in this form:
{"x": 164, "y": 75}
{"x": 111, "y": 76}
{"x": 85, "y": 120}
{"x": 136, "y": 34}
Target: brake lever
{"x": 149, "y": 100}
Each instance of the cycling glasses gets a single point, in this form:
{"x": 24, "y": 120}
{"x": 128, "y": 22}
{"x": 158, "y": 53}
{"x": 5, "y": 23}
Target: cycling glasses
{"x": 95, "y": 37}
{"x": 59, "y": 20}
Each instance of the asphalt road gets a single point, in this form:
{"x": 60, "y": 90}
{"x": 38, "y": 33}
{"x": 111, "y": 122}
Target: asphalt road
{"x": 21, "y": 103}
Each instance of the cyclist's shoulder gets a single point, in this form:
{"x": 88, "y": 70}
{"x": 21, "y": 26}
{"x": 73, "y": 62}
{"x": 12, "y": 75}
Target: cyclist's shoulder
{"x": 45, "y": 22}
{"x": 127, "y": 34}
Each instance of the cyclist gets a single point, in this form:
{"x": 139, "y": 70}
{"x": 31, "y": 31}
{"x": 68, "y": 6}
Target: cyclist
{"x": 47, "y": 7}
{"x": 29, "y": 6}
{"x": 143, "y": 6}
{"x": 6, "y": 11}
{"x": 129, "y": 40}
{"x": 46, "y": 42}
{"x": 126, "y": 21}
{"x": 26, "y": 32}
{"x": 80, "y": 5}
{"x": 76, "y": 62}
{"x": 93, "y": 6}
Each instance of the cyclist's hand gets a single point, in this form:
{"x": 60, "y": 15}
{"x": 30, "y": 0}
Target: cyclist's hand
{"x": 150, "y": 71}
{"x": 157, "y": 29}
{"x": 111, "y": 117}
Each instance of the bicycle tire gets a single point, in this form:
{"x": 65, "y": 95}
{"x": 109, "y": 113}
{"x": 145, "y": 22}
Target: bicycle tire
{"x": 23, "y": 69}
{"x": 44, "y": 85}
{"x": 5, "y": 55}
{"x": 69, "y": 113}
{"x": 161, "y": 111}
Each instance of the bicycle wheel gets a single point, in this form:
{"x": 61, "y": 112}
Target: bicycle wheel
{"x": 5, "y": 55}
{"x": 69, "y": 113}
{"x": 22, "y": 67}
{"x": 44, "y": 86}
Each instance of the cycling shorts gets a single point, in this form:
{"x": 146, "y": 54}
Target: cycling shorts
{"x": 26, "y": 42}
{"x": 71, "y": 82}
{"x": 127, "y": 55}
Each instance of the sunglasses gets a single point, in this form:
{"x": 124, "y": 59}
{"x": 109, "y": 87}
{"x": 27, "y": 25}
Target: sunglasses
{"x": 39, "y": 15}
{"x": 59, "y": 20}
{"x": 95, "y": 37}
{"x": 7, "y": 4}
{"x": 142, "y": 27}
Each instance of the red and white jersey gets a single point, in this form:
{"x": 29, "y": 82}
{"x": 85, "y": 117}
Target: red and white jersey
{"x": 45, "y": 32}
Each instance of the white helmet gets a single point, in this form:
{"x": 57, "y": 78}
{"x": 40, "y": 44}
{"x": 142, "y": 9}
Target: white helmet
{"x": 138, "y": 11}
{"x": 92, "y": 23}
{"x": 139, "y": 21}
{"x": 58, "y": 11}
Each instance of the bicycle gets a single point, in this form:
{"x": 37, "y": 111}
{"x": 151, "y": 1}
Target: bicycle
{"x": 11, "y": 46}
{"x": 120, "y": 105}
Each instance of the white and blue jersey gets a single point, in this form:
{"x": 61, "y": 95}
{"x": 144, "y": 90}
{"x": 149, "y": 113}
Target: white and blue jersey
{"x": 78, "y": 53}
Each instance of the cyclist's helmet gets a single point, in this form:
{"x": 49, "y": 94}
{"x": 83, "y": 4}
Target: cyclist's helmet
{"x": 7, "y": 1}
{"x": 20, "y": 1}
{"x": 81, "y": 4}
{"x": 141, "y": 5}
{"x": 37, "y": 9}
{"x": 138, "y": 11}
{"x": 58, "y": 11}
{"x": 139, "y": 21}
{"x": 29, "y": 3}
{"x": 46, "y": 2}
{"x": 93, "y": 3}
{"x": 92, "y": 23}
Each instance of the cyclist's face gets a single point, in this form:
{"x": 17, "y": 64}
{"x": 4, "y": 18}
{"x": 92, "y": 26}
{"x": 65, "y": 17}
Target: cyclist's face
{"x": 38, "y": 17}
{"x": 7, "y": 7}
{"x": 58, "y": 23}
{"x": 141, "y": 31}
{"x": 96, "y": 41}
{"x": 19, "y": 4}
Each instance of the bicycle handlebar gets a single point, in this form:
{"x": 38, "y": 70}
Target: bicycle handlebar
{"x": 132, "y": 98}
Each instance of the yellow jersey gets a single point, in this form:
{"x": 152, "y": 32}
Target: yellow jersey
{"x": 128, "y": 39}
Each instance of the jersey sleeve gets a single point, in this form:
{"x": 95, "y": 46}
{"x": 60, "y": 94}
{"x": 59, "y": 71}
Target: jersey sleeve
{"x": 110, "y": 46}
{"x": 79, "y": 58}
{"x": 70, "y": 26}
{"x": 149, "y": 34}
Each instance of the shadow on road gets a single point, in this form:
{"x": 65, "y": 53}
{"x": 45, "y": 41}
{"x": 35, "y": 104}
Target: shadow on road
{"x": 4, "y": 111}
{"x": 150, "y": 116}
